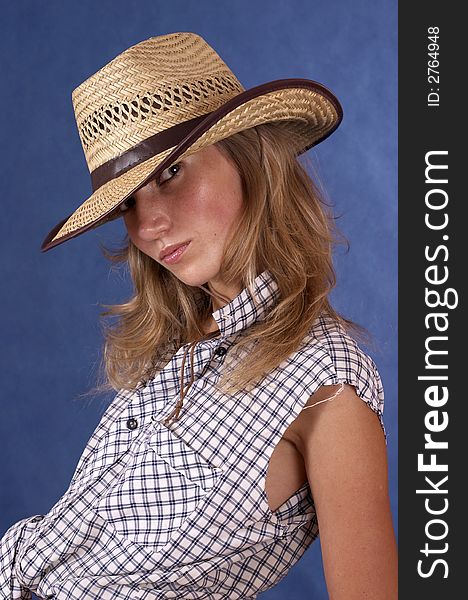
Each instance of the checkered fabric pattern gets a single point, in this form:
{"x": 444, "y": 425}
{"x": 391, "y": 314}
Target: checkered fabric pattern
{"x": 181, "y": 512}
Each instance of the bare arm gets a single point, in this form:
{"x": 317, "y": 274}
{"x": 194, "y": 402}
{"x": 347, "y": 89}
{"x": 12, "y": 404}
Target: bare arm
{"x": 345, "y": 457}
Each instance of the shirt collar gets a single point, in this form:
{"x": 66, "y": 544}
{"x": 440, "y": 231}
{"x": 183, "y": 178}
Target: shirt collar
{"x": 249, "y": 306}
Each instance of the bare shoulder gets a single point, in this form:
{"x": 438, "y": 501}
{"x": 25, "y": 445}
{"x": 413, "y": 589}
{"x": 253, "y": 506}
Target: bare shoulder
{"x": 344, "y": 452}
{"x": 335, "y": 414}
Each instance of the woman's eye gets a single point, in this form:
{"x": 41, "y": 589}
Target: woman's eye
{"x": 169, "y": 173}
{"x": 128, "y": 203}
{"x": 166, "y": 175}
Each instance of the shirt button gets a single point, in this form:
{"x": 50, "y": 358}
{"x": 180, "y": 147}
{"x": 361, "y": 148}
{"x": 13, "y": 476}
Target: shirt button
{"x": 132, "y": 423}
{"x": 220, "y": 351}
{"x": 37, "y": 519}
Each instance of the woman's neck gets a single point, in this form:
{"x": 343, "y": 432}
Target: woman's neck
{"x": 210, "y": 326}
{"x": 222, "y": 293}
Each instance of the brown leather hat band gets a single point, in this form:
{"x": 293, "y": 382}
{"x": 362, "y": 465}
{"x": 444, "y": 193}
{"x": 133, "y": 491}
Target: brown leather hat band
{"x": 143, "y": 151}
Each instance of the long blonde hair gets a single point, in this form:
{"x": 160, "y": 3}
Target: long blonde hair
{"x": 286, "y": 228}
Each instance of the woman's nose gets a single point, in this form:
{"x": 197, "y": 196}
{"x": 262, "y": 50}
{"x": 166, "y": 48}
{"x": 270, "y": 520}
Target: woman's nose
{"x": 151, "y": 218}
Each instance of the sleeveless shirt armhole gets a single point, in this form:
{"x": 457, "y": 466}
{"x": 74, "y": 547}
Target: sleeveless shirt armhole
{"x": 337, "y": 393}
{"x": 344, "y": 362}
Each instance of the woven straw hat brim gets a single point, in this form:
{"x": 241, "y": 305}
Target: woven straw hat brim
{"x": 308, "y": 110}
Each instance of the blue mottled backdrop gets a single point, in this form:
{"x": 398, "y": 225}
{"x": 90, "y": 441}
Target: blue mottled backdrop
{"x": 50, "y": 337}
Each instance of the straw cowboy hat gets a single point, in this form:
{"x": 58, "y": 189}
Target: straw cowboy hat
{"x": 166, "y": 98}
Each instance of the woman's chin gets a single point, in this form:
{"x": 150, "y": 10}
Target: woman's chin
{"x": 191, "y": 278}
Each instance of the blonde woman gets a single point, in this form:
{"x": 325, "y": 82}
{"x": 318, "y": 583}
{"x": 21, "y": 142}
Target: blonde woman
{"x": 247, "y": 418}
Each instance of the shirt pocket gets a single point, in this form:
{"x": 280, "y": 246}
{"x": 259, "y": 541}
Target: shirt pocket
{"x": 162, "y": 485}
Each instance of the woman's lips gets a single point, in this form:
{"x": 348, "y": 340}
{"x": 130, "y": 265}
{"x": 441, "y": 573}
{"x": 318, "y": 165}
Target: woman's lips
{"x": 175, "y": 255}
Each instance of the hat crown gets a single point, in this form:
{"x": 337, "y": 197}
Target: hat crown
{"x": 154, "y": 85}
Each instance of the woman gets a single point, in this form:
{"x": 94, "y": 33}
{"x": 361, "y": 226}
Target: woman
{"x": 242, "y": 421}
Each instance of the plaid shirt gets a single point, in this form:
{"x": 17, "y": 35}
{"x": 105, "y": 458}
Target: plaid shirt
{"x": 158, "y": 512}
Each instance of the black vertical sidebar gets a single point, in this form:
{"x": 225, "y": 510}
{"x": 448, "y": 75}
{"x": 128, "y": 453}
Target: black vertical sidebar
{"x": 433, "y": 348}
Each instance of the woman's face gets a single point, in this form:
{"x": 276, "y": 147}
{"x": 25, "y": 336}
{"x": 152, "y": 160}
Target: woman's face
{"x": 183, "y": 221}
